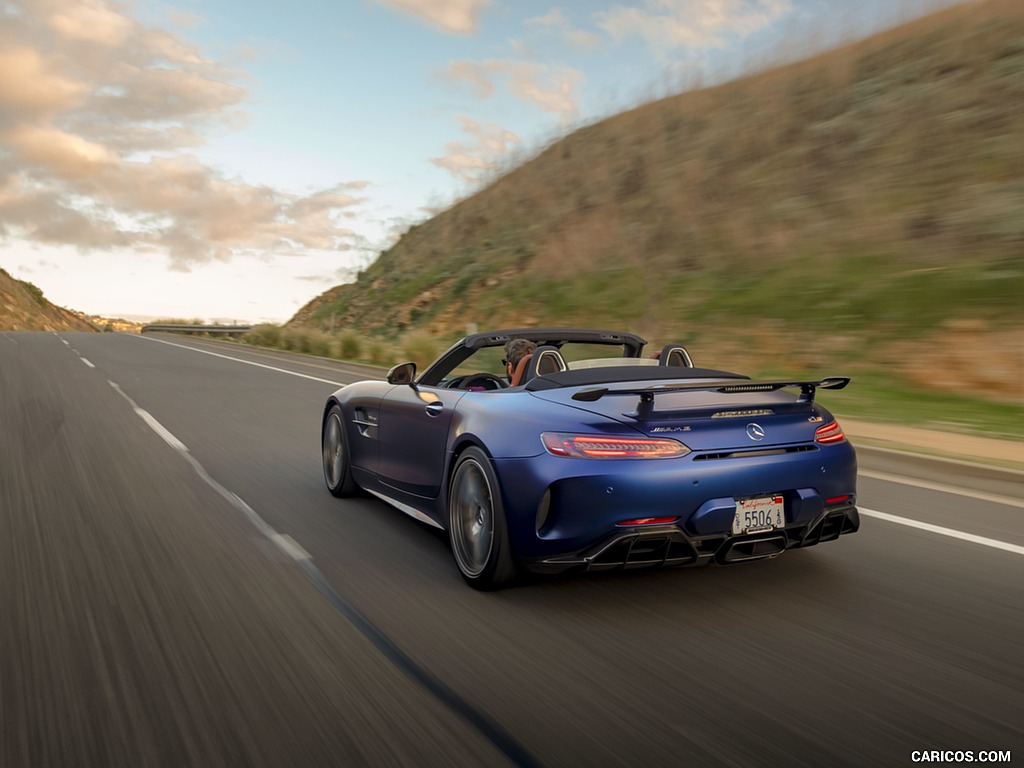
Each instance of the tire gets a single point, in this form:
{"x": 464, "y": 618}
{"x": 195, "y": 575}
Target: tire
{"x": 477, "y": 528}
{"x": 336, "y": 458}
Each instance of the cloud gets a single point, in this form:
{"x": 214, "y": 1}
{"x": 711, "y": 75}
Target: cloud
{"x": 554, "y": 18}
{"x": 552, "y": 89}
{"x": 29, "y": 88}
{"x": 91, "y": 21}
{"x": 471, "y": 161}
{"x": 580, "y": 38}
{"x": 458, "y": 17}
{"x": 183, "y": 18}
{"x": 667, "y": 24}
{"x": 98, "y": 117}
{"x": 56, "y": 153}
{"x": 556, "y": 22}
{"x": 479, "y": 75}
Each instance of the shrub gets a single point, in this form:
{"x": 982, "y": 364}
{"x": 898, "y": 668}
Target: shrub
{"x": 296, "y": 341}
{"x": 379, "y": 353}
{"x": 264, "y": 335}
{"x": 419, "y": 347}
{"x": 34, "y": 292}
{"x": 350, "y": 346}
{"x": 319, "y": 345}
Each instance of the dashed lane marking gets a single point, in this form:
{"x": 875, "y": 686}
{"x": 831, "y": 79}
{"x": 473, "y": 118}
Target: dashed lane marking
{"x": 490, "y": 729}
{"x": 155, "y": 425}
{"x": 161, "y": 430}
{"x": 290, "y": 546}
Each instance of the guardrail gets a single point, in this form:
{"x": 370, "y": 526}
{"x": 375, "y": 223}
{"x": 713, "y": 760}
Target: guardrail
{"x": 183, "y": 328}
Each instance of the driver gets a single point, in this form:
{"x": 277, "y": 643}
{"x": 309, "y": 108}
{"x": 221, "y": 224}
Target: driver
{"x": 516, "y": 350}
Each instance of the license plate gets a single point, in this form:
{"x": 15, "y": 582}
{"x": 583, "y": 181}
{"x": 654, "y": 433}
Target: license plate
{"x": 762, "y": 514}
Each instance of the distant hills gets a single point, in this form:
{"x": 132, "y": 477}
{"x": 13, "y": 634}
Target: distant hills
{"x": 863, "y": 208}
{"x": 24, "y": 308}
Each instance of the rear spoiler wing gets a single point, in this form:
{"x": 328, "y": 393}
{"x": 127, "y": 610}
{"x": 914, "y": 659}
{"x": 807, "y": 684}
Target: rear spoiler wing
{"x": 645, "y": 407}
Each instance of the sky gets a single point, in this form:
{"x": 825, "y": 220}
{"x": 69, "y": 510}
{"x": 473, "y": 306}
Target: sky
{"x": 230, "y": 160}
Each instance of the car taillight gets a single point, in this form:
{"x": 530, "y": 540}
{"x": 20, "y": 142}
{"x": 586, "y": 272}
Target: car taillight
{"x": 600, "y": 447}
{"x": 830, "y": 433}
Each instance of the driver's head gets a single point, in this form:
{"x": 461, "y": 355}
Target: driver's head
{"x": 516, "y": 350}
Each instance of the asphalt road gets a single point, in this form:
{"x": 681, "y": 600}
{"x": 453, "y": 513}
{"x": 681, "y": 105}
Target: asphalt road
{"x": 178, "y": 588}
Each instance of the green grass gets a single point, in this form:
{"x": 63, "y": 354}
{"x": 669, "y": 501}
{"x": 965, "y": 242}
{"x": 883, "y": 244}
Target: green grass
{"x": 875, "y": 397}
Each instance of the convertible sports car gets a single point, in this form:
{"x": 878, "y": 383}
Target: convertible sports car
{"x": 594, "y": 456}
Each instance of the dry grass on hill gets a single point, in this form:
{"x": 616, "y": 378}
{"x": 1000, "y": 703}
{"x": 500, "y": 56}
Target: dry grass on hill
{"x": 24, "y": 308}
{"x": 846, "y": 208}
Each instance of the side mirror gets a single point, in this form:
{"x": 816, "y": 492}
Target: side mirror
{"x": 403, "y": 373}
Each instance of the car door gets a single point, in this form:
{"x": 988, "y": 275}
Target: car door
{"x": 413, "y": 429}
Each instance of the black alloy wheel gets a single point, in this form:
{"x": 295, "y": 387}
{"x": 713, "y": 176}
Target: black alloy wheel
{"x": 337, "y": 462}
{"x": 477, "y": 527}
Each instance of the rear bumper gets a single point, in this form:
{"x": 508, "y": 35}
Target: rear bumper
{"x": 566, "y": 513}
{"x": 670, "y": 546}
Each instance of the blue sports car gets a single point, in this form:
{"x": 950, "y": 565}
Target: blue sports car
{"x": 593, "y": 456}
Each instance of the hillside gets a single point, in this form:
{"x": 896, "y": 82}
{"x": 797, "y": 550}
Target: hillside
{"x": 24, "y": 308}
{"x": 862, "y": 208}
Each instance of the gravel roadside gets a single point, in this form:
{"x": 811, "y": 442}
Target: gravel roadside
{"x": 1003, "y": 453}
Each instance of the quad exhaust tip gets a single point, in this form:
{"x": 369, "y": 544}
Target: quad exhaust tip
{"x": 752, "y": 549}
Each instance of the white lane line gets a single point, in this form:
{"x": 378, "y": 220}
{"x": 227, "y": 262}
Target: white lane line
{"x": 286, "y": 543}
{"x": 290, "y": 546}
{"x": 255, "y": 352}
{"x": 121, "y": 392}
{"x": 247, "y": 362}
{"x": 491, "y": 730}
{"x": 952, "y": 533}
{"x": 161, "y": 430}
{"x": 941, "y": 488}
{"x": 65, "y": 342}
{"x": 86, "y": 361}
{"x": 155, "y": 425}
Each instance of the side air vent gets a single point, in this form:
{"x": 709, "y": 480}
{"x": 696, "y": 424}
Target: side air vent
{"x": 754, "y": 453}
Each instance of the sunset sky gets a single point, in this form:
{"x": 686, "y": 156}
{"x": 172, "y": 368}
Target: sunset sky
{"x": 222, "y": 159}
